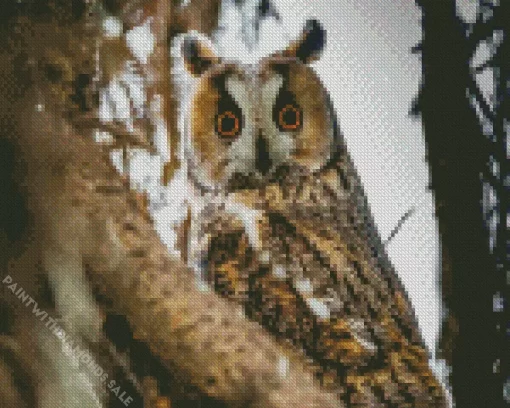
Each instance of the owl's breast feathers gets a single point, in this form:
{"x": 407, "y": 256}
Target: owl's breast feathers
{"x": 329, "y": 288}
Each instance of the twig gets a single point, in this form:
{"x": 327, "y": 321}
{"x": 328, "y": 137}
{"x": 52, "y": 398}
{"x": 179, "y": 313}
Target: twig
{"x": 399, "y": 225}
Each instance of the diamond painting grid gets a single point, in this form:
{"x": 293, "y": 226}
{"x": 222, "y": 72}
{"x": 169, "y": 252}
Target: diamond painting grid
{"x": 372, "y": 77}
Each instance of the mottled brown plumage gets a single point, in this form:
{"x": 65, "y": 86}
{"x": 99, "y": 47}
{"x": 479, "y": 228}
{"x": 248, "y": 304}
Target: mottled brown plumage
{"x": 368, "y": 348}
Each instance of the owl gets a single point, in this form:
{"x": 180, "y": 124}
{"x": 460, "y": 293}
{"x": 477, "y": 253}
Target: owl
{"x": 281, "y": 225}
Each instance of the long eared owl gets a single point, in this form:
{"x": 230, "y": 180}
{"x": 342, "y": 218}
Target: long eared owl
{"x": 283, "y": 227}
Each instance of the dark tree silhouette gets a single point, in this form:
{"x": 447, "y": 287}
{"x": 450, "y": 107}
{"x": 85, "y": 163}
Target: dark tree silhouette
{"x": 468, "y": 155}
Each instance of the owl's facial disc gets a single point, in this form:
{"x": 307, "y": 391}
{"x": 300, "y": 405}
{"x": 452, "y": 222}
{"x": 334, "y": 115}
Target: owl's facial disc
{"x": 271, "y": 118}
{"x": 246, "y": 122}
{"x": 246, "y": 125}
{"x": 256, "y": 154}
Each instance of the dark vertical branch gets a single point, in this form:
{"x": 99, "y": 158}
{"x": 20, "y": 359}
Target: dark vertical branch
{"x": 457, "y": 153}
{"x": 501, "y": 187}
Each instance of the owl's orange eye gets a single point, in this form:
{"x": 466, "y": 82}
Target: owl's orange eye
{"x": 290, "y": 118}
{"x": 228, "y": 124}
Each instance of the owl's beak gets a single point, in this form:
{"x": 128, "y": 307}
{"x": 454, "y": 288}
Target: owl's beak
{"x": 262, "y": 160}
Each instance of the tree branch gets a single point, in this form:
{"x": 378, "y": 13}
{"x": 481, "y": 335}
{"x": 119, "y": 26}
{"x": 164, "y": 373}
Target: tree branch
{"x": 81, "y": 205}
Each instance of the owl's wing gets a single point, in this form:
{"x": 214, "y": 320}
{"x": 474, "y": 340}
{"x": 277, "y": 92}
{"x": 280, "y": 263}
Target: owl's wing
{"x": 323, "y": 235}
{"x": 345, "y": 184}
{"x": 323, "y": 293}
{"x": 329, "y": 287}
{"x": 368, "y": 235}
{"x": 330, "y": 209}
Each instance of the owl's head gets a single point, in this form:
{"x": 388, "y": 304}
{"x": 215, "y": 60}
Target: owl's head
{"x": 247, "y": 121}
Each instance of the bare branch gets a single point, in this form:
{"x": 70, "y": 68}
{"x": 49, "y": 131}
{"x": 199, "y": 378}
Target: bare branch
{"x": 399, "y": 225}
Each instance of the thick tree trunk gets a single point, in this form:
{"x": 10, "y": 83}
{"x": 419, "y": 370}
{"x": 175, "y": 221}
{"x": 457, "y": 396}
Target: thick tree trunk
{"x": 82, "y": 211}
{"x": 457, "y": 152}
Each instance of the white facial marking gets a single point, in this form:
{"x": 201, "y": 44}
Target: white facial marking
{"x": 241, "y": 154}
{"x": 239, "y": 91}
{"x": 281, "y": 144}
{"x": 270, "y": 91}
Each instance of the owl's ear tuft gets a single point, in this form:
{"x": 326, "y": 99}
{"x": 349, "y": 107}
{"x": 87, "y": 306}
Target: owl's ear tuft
{"x": 198, "y": 56}
{"x": 309, "y": 46}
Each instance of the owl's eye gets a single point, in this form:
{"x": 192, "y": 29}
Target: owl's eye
{"x": 228, "y": 124}
{"x": 287, "y": 114}
{"x": 290, "y": 118}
